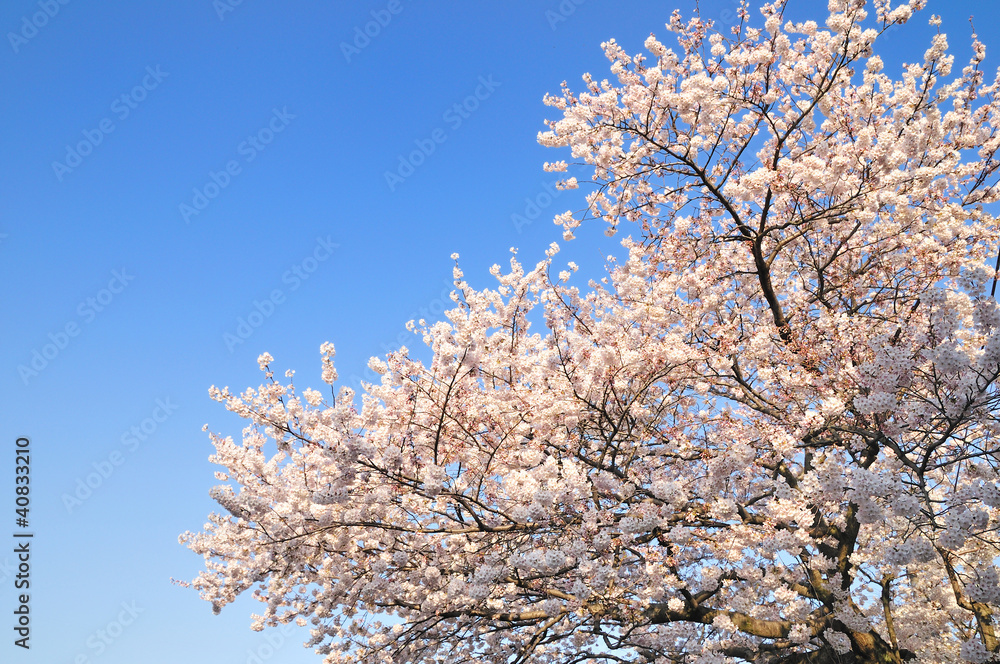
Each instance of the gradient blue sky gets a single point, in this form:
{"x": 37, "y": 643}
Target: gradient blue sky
{"x": 64, "y": 234}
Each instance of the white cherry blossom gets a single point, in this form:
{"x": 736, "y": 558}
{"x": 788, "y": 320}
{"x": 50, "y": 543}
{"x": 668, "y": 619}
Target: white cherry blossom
{"x": 769, "y": 434}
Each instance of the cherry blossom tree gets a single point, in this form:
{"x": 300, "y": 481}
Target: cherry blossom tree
{"x": 769, "y": 434}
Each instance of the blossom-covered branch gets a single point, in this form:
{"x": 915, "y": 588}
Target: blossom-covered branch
{"x": 770, "y": 434}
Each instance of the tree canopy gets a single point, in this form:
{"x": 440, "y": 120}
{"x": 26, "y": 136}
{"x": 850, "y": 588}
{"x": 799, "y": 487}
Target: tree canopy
{"x": 769, "y": 434}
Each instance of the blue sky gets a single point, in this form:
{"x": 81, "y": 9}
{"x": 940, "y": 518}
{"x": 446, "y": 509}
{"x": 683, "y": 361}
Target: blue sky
{"x": 172, "y": 168}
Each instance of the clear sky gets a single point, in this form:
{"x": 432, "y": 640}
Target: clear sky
{"x": 185, "y": 185}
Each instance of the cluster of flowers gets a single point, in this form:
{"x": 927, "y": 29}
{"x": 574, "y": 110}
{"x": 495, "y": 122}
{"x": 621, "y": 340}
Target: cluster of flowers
{"x": 668, "y": 468}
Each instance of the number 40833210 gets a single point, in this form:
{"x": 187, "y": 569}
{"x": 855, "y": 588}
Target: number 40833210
{"x": 21, "y": 480}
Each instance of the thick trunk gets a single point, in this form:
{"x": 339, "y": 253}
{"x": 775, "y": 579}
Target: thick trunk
{"x": 826, "y": 655}
{"x": 866, "y": 647}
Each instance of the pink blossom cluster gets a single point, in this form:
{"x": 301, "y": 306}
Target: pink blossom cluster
{"x": 769, "y": 433}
